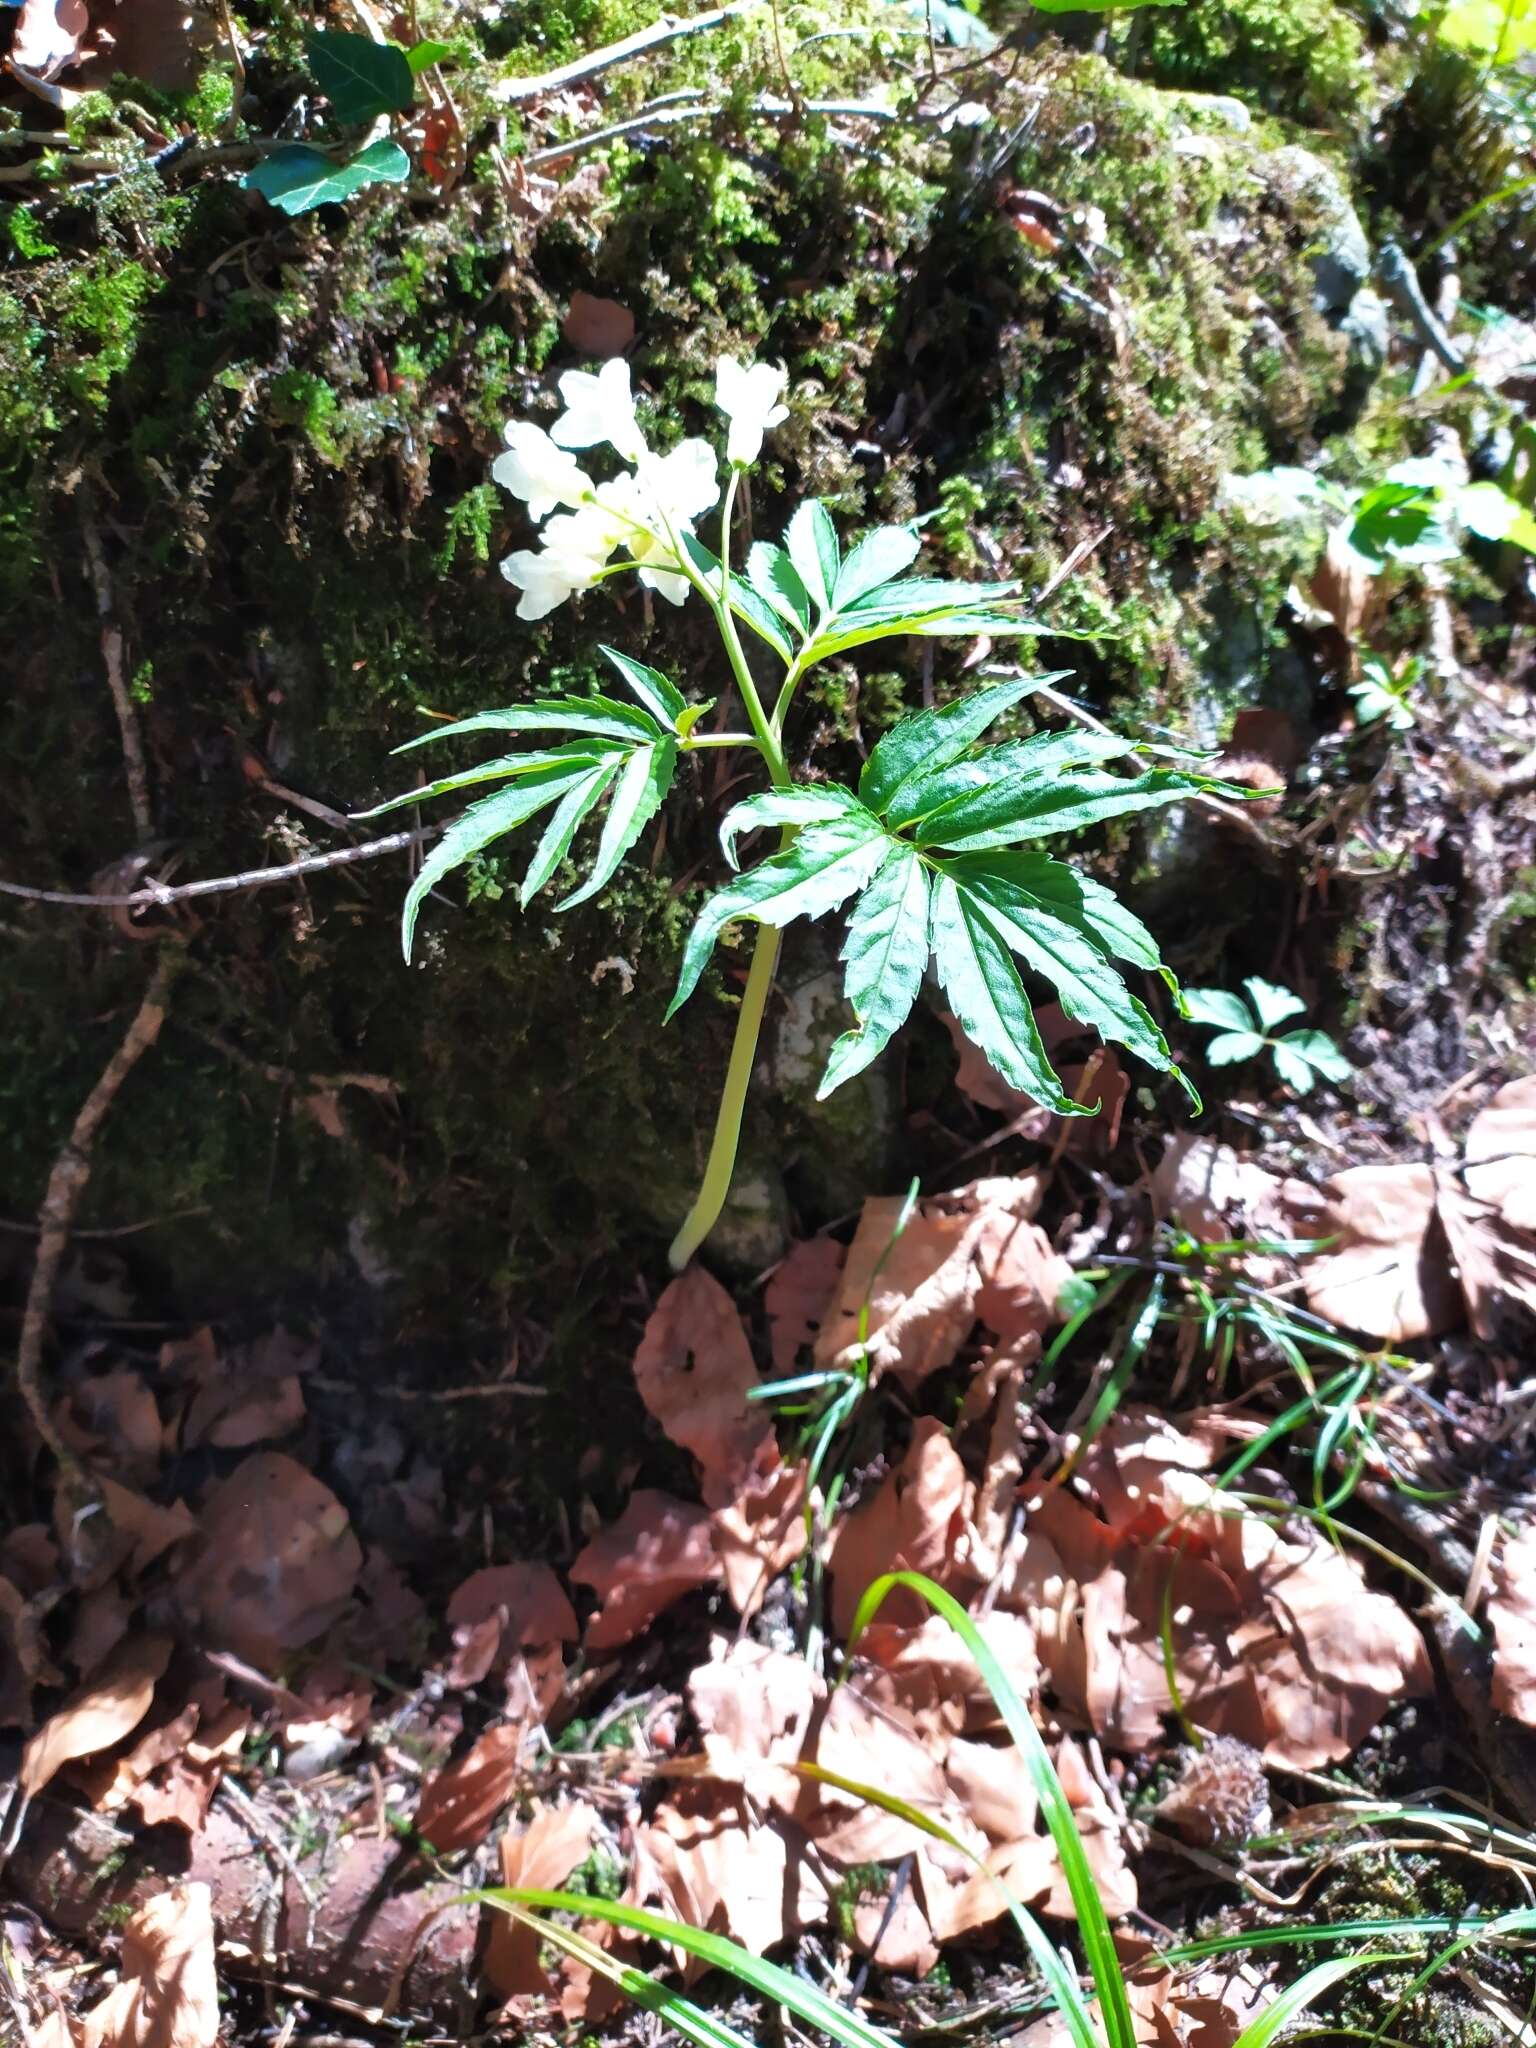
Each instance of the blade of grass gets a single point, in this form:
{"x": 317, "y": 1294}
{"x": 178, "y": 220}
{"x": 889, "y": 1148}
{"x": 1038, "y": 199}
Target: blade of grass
{"x": 1295, "y": 1998}
{"x": 1092, "y": 1921}
{"x": 1522, "y": 1921}
{"x": 795, "y": 1994}
{"x": 1063, "y": 1985}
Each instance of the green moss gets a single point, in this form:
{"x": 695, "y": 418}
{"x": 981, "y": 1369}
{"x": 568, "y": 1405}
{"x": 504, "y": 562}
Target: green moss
{"x": 303, "y": 400}
{"x": 1305, "y": 59}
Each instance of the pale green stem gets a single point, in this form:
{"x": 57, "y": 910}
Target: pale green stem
{"x": 721, "y": 1164}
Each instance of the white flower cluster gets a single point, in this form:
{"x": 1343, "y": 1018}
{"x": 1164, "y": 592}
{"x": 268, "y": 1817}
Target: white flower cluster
{"x": 647, "y": 511}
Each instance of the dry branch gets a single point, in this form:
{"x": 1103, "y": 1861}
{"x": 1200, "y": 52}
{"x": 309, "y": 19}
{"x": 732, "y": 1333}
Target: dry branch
{"x": 668, "y": 30}
{"x": 66, "y": 1184}
{"x": 112, "y": 654}
{"x": 218, "y": 885}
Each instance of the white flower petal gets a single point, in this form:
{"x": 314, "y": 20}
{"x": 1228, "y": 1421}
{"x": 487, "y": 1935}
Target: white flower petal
{"x": 600, "y": 408}
{"x": 750, "y": 397}
{"x": 535, "y": 468}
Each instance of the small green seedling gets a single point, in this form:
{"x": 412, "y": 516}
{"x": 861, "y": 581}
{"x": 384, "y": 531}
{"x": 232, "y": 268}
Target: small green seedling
{"x": 1246, "y": 1030}
{"x": 1383, "y": 695}
{"x": 934, "y": 854}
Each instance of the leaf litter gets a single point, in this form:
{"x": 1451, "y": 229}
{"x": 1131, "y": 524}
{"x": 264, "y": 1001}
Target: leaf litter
{"x": 1122, "y": 1588}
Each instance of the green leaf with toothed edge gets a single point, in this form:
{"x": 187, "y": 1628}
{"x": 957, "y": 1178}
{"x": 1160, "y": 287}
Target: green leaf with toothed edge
{"x": 977, "y": 973}
{"x": 480, "y": 824}
{"x": 1088, "y": 988}
{"x": 1319, "y": 1051}
{"x": 1229, "y": 1047}
{"x": 814, "y": 805}
{"x": 810, "y": 540}
{"x": 637, "y": 797}
{"x": 885, "y": 952}
{"x": 1271, "y": 1003}
{"x": 826, "y": 864}
{"x": 1013, "y": 764}
{"x": 662, "y": 699}
{"x": 876, "y": 562}
{"x": 776, "y": 581}
{"x": 602, "y": 716}
{"x": 930, "y": 740}
{"x": 1218, "y": 1007}
{"x": 746, "y": 605}
{"x": 1002, "y": 815}
{"x": 502, "y": 769}
{"x": 561, "y": 829}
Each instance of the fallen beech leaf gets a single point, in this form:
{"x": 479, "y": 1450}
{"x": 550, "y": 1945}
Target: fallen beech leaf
{"x": 598, "y": 327}
{"x": 114, "y": 1413}
{"x": 102, "y": 1712}
{"x": 181, "y": 1791}
{"x": 502, "y": 1608}
{"x": 890, "y": 1927}
{"x": 142, "y": 1528}
{"x": 168, "y": 1993}
{"x": 100, "y": 1624}
{"x": 924, "y": 1288}
{"x": 1512, "y": 1612}
{"x": 163, "y": 42}
{"x": 659, "y": 1549}
{"x": 694, "y": 1370}
{"x": 927, "y": 1673}
{"x": 539, "y": 1857}
{"x": 1389, "y": 1273}
{"x": 799, "y": 1296}
{"x": 458, "y": 1806}
{"x": 116, "y": 1782}
{"x": 714, "y": 1864}
{"x": 1344, "y": 586}
{"x": 753, "y": 1707}
{"x": 912, "y": 1522}
{"x": 1488, "y": 1208}
{"x": 760, "y": 1533}
{"x": 278, "y": 1560}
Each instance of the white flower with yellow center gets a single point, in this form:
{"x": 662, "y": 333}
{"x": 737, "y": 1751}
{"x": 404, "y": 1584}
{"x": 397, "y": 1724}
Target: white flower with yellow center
{"x": 575, "y": 551}
{"x": 600, "y": 408}
{"x": 751, "y": 397}
{"x": 659, "y": 504}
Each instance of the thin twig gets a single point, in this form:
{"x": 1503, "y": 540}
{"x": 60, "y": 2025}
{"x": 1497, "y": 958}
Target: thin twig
{"x": 668, "y": 30}
{"x": 223, "y": 885}
{"x": 117, "y": 681}
{"x": 763, "y": 108}
{"x": 66, "y": 1184}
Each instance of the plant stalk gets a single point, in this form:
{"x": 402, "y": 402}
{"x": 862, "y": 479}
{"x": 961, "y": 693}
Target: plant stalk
{"x": 721, "y": 1164}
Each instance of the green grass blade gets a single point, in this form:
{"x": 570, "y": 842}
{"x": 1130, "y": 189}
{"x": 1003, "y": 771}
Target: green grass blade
{"x": 1295, "y": 1998}
{"x": 1063, "y": 1985}
{"x": 795, "y": 1994}
{"x": 1092, "y": 1921}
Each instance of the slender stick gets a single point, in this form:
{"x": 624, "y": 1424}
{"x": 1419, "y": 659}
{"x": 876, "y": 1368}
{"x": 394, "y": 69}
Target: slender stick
{"x": 112, "y": 655}
{"x": 222, "y": 885}
{"x": 66, "y": 1184}
{"x": 721, "y": 1164}
{"x": 667, "y": 30}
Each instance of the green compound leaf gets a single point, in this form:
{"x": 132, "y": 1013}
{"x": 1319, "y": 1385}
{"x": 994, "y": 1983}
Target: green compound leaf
{"x": 582, "y": 753}
{"x": 561, "y": 829}
{"x": 886, "y": 951}
{"x": 361, "y": 78}
{"x": 1218, "y": 1007}
{"x": 977, "y": 972}
{"x": 1012, "y": 765}
{"x": 1271, "y": 1004}
{"x": 1010, "y": 811}
{"x": 1229, "y": 1047}
{"x": 483, "y": 822}
{"x": 1318, "y": 1050}
{"x": 296, "y": 179}
{"x": 826, "y": 864}
{"x": 637, "y": 797}
{"x": 600, "y": 715}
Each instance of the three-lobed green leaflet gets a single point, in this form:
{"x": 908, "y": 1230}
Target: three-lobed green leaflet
{"x": 934, "y": 855}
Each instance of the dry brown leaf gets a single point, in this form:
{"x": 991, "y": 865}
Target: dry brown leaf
{"x": 168, "y": 1994}
{"x": 1488, "y": 1208}
{"x": 891, "y": 1928}
{"x": 102, "y": 1712}
{"x": 1389, "y": 1273}
{"x": 760, "y": 1532}
{"x": 538, "y": 1857}
{"x": 278, "y": 1560}
{"x": 502, "y": 1608}
{"x": 659, "y": 1549}
{"x": 712, "y": 1863}
{"x": 694, "y": 1370}
{"x": 181, "y": 1791}
{"x": 955, "y": 1252}
{"x": 1344, "y": 586}
{"x": 927, "y": 1674}
{"x": 114, "y": 1415}
{"x": 598, "y": 327}
{"x": 798, "y": 1297}
{"x": 753, "y": 1707}
{"x": 100, "y": 1623}
{"x": 913, "y": 1521}
{"x": 1512, "y": 1613}
{"x": 458, "y": 1806}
